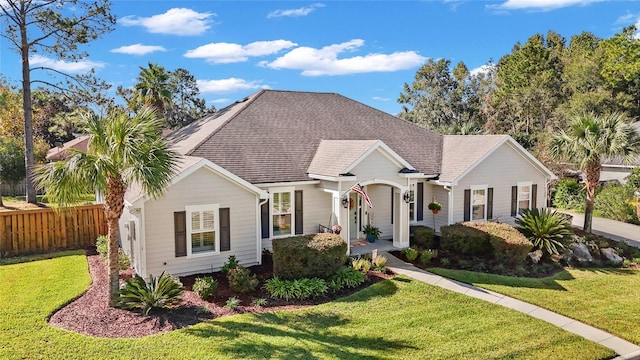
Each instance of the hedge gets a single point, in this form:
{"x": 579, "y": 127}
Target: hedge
{"x": 308, "y": 256}
{"x": 421, "y": 236}
{"x": 465, "y": 240}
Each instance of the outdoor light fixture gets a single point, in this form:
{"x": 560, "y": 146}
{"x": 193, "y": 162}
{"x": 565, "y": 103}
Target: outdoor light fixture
{"x": 406, "y": 197}
{"x": 345, "y": 202}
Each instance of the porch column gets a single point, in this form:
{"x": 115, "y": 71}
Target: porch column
{"x": 401, "y": 228}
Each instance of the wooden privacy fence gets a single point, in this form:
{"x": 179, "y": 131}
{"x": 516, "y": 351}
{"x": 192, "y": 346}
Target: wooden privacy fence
{"x": 44, "y": 230}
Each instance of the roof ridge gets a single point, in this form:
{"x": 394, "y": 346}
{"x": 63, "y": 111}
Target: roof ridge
{"x": 243, "y": 105}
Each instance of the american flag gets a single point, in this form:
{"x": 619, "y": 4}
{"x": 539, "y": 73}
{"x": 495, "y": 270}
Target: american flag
{"x": 357, "y": 188}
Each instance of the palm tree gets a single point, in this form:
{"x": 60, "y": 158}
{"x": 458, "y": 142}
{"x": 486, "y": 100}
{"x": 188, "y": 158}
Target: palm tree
{"x": 589, "y": 139}
{"x": 153, "y": 87}
{"x": 122, "y": 150}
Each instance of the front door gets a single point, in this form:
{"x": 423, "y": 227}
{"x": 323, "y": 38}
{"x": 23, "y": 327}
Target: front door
{"x": 355, "y": 215}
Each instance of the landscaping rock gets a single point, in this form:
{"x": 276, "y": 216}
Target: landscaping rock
{"x": 581, "y": 252}
{"x": 611, "y": 255}
{"x": 536, "y": 256}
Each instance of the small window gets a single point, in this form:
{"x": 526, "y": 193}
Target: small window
{"x": 202, "y": 229}
{"x": 282, "y": 213}
{"x": 412, "y": 203}
{"x": 524, "y": 195}
{"x": 478, "y": 203}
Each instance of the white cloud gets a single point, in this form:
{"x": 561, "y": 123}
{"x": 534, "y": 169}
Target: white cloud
{"x": 220, "y": 101}
{"x": 379, "y": 98}
{"x": 138, "y": 49}
{"x": 224, "y": 53}
{"x": 176, "y": 21}
{"x": 482, "y": 69}
{"x": 627, "y": 18}
{"x": 540, "y": 4}
{"x": 229, "y": 85}
{"x": 324, "y": 61}
{"x": 63, "y": 66}
{"x": 303, "y": 11}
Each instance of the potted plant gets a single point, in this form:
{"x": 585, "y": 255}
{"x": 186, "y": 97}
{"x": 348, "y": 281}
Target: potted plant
{"x": 435, "y": 207}
{"x": 372, "y": 233}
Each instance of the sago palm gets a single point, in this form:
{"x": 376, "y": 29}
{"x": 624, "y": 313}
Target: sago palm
{"x": 122, "y": 150}
{"x": 588, "y": 140}
{"x": 547, "y": 230}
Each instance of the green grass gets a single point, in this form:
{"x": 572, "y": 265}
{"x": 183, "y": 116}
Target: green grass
{"x": 393, "y": 319}
{"x": 19, "y": 201}
{"x": 608, "y": 299}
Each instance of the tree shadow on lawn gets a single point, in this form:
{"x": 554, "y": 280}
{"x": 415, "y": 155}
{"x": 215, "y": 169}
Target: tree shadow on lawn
{"x": 298, "y": 330}
{"x": 41, "y": 256}
{"x": 609, "y": 271}
{"x": 479, "y": 279}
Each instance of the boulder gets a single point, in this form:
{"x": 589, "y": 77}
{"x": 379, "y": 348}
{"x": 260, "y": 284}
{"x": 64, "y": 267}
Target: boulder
{"x": 611, "y": 255}
{"x": 536, "y": 256}
{"x": 581, "y": 252}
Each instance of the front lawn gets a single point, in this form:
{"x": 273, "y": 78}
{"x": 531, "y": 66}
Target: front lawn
{"x": 393, "y": 319}
{"x": 608, "y": 299}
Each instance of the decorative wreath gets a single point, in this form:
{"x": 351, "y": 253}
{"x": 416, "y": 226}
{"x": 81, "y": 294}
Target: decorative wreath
{"x": 351, "y": 204}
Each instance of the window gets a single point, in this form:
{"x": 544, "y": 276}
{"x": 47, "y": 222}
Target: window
{"x": 524, "y": 195}
{"x": 412, "y": 203}
{"x": 202, "y": 229}
{"x": 478, "y": 203}
{"x": 281, "y": 213}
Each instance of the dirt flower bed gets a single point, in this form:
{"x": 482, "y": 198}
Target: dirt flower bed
{"x": 91, "y": 315}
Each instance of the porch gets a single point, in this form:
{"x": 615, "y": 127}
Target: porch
{"x": 362, "y": 247}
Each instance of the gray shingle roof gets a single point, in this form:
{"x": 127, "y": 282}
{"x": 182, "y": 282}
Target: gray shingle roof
{"x": 274, "y": 135}
{"x": 333, "y": 157}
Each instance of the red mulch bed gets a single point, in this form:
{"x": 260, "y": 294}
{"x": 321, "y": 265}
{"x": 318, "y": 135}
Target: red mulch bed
{"x": 91, "y": 315}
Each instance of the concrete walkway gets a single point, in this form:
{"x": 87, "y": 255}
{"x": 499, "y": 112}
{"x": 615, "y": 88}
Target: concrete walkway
{"x": 623, "y": 348}
{"x": 616, "y": 230}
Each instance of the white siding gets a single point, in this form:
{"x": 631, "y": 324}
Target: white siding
{"x": 380, "y": 196}
{"x": 376, "y": 166}
{"x": 504, "y": 168}
{"x": 200, "y": 188}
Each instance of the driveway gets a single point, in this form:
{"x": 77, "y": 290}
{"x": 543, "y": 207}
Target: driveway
{"x": 612, "y": 229}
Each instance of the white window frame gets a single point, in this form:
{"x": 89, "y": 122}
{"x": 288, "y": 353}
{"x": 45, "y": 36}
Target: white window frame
{"x": 291, "y": 191}
{"x": 412, "y": 201}
{"x": 486, "y": 195}
{"x": 216, "y": 228}
{"x": 518, "y": 199}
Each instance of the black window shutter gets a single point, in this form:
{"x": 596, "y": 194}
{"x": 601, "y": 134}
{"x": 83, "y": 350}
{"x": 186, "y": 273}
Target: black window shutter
{"x": 298, "y": 205}
{"x": 514, "y": 200}
{"x": 467, "y": 205}
{"x": 534, "y": 195}
{"x": 420, "y": 201}
{"x": 392, "y": 189}
{"x": 180, "y": 227}
{"x": 490, "y": 203}
{"x": 225, "y": 229}
{"x": 264, "y": 220}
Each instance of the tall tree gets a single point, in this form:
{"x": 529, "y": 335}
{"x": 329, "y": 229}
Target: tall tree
{"x": 590, "y": 138}
{"x": 153, "y": 88}
{"x": 186, "y": 103}
{"x": 53, "y": 27}
{"x": 12, "y": 169}
{"x": 122, "y": 150}
{"x": 621, "y": 68}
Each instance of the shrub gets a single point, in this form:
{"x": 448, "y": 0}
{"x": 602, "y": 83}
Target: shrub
{"x": 159, "y": 292}
{"x": 614, "y": 202}
{"x": 346, "y": 277}
{"x": 410, "y": 253}
{"x": 231, "y": 263}
{"x": 425, "y": 257}
{"x": 205, "y": 286}
{"x": 570, "y": 195}
{"x": 102, "y": 247}
{"x": 464, "y": 239}
{"x": 546, "y": 229}
{"x": 445, "y": 261}
{"x": 241, "y": 279}
{"x": 233, "y": 302}
{"x": 380, "y": 263}
{"x": 422, "y": 237}
{"x": 509, "y": 245}
{"x": 296, "y": 289}
{"x": 361, "y": 264}
{"x": 308, "y": 256}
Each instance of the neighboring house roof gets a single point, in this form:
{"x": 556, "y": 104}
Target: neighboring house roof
{"x": 618, "y": 161}
{"x": 187, "y": 166}
{"x": 338, "y": 157}
{"x": 58, "y": 153}
{"x": 272, "y": 136}
{"x": 462, "y": 153}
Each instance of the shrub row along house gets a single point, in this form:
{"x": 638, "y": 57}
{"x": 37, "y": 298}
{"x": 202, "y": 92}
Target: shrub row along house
{"x": 280, "y": 163}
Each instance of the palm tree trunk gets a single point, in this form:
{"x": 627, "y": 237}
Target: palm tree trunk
{"x": 592, "y": 173}
{"x": 113, "y": 206}
{"x": 28, "y": 116}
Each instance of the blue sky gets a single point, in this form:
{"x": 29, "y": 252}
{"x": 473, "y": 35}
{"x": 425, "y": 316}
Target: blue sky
{"x": 365, "y": 50}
